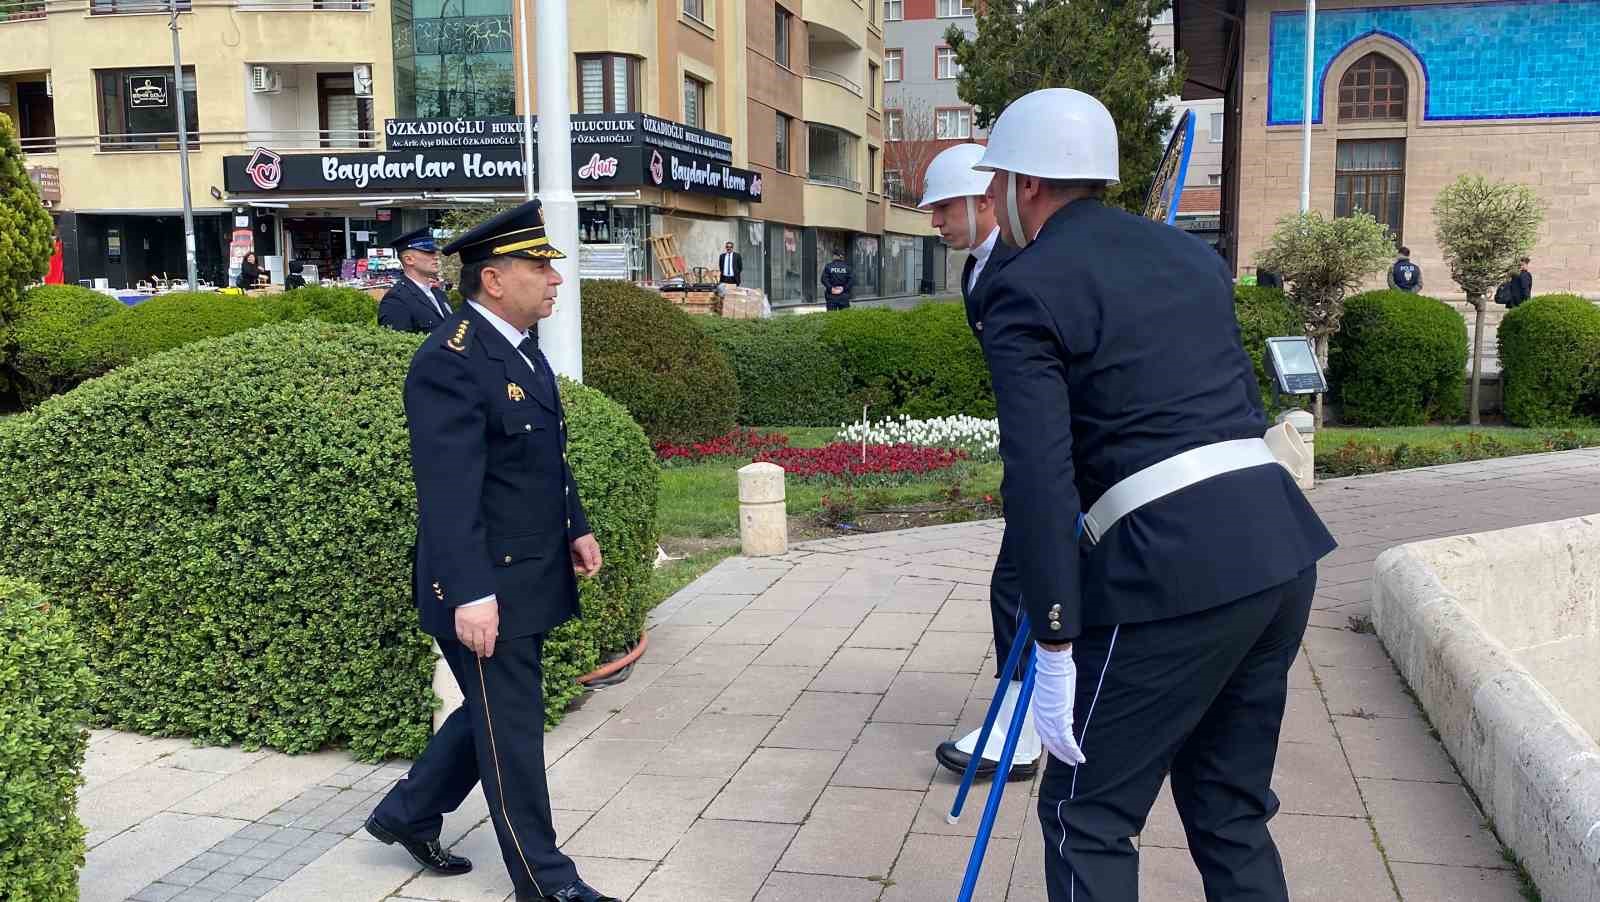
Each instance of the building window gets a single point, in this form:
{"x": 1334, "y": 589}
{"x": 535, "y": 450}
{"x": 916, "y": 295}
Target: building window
{"x": 138, "y": 109}
{"x": 872, "y": 169}
{"x": 894, "y": 125}
{"x": 944, "y": 63}
{"x": 114, "y": 7}
{"x": 954, "y": 9}
{"x": 893, "y": 64}
{"x": 36, "y": 116}
{"x": 950, "y": 125}
{"x": 451, "y": 60}
{"x": 781, "y": 26}
{"x": 872, "y": 86}
{"x": 1370, "y": 176}
{"x": 894, "y": 10}
{"x": 1373, "y": 90}
{"x": 696, "y": 9}
{"x": 1216, "y": 128}
{"x": 344, "y": 118}
{"x": 1214, "y": 178}
{"x": 785, "y": 125}
{"x": 894, "y": 186}
{"x": 608, "y": 83}
{"x": 831, "y": 155}
{"x": 694, "y": 102}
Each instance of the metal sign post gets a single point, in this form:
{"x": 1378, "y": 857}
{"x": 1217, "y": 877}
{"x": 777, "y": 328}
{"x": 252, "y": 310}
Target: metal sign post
{"x": 183, "y": 149}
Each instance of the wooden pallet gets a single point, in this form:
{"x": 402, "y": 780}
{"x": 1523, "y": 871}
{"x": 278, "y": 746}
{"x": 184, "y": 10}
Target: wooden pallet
{"x": 665, "y": 250}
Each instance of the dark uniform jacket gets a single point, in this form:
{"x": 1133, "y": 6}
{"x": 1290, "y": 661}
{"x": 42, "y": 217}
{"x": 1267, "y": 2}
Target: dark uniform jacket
{"x": 974, "y": 299}
{"x": 497, "y": 507}
{"x": 836, "y": 275}
{"x": 1113, "y": 345}
{"x": 407, "y": 309}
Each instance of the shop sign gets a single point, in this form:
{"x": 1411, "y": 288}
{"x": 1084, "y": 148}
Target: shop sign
{"x": 47, "y": 181}
{"x": 588, "y": 130}
{"x": 147, "y": 92}
{"x": 693, "y": 174}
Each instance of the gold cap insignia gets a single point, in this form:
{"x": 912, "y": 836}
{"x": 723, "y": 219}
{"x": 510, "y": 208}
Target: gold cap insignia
{"x": 514, "y": 391}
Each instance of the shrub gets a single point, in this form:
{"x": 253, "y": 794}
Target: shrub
{"x": 1399, "y": 360}
{"x": 649, "y": 356}
{"x": 167, "y": 321}
{"x": 25, "y": 227}
{"x": 786, "y": 374}
{"x": 321, "y": 302}
{"x": 1264, "y": 313}
{"x": 922, "y": 362}
{"x": 44, "y": 690}
{"x": 45, "y": 346}
{"x": 1550, "y": 360}
{"x": 230, "y": 525}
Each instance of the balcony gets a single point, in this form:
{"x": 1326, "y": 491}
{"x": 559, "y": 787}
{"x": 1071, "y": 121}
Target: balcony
{"x": 832, "y": 77}
{"x": 21, "y": 10}
{"x": 841, "y": 22}
{"x": 136, "y": 7}
{"x": 307, "y": 107}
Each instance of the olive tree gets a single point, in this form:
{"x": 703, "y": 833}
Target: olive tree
{"x": 1484, "y": 227}
{"x": 1320, "y": 261}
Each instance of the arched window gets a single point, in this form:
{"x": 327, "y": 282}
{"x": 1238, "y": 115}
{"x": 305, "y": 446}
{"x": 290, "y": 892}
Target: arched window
{"x": 1373, "y": 90}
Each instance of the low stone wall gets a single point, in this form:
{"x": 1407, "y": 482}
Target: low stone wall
{"x": 1497, "y": 634}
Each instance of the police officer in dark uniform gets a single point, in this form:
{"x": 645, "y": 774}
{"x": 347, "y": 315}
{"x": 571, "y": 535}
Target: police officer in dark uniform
{"x": 413, "y": 304}
{"x": 500, "y": 532}
{"x": 954, "y": 193}
{"x": 836, "y": 282}
{"x": 1124, "y": 393}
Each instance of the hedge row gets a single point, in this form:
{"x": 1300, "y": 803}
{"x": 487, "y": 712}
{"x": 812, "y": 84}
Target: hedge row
{"x": 787, "y": 375}
{"x": 1550, "y": 361}
{"x": 45, "y": 685}
{"x": 64, "y": 334}
{"x": 1399, "y": 359}
{"x": 230, "y": 523}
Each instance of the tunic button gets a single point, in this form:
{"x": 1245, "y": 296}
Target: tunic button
{"x": 527, "y": 427}
{"x": 1055, "y": 625}
{"x": 1055, "y": 609}
{"x": 508, "y": 558}
{"x": 980, "y": 325}
{"x": 569, "y": 522}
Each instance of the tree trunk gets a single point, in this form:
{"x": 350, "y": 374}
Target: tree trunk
{"x": 1477, "y": 357}
{"x": 1320, "y": 344}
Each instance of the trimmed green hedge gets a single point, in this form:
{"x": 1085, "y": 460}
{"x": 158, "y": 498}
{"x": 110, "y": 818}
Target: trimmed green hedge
{"x": 45, "y": 685}
{"x": 786, "y": 374}
{"x": 1264, "y": 313}
{"x": 647, "y": 355}
{"x": 168, "y": 321}
{"x": 1550, "y": 361}
{"x": 1398, "y": 359}
{"x": 329, "y": 304}
{"x": 921, "y": 362}
{"x": 44, "y": 347}
{"x": 230, "y": 525}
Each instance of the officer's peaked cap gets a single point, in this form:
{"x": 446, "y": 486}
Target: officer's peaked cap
{"x": 518, "y": 232}
{"x": 420, "y": 240}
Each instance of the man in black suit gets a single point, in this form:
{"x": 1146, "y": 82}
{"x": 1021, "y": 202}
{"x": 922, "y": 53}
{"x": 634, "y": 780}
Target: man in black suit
{"x": 500, "y": 532}
{"x": 413, "y": 304}
{"x": 954, "y": 194}
{"x": 1123, "y": 391}
{"x": 731, "y": 266}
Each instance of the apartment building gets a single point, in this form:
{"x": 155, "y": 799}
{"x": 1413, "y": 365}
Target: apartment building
{"x": 924, "y": 115}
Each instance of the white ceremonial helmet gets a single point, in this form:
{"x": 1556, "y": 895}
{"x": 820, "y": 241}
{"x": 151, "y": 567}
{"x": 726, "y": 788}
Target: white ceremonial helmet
{"x": 1054, "y": 133}
{"x": 951, "y": 175}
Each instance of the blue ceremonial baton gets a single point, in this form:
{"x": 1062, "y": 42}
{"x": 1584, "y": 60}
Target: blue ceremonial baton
{"x": 991, "y": 808}
{"x": 1167, "y": 188}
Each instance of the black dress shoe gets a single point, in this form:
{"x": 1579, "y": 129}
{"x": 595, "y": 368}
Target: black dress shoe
{"x": 577, "y": 891}
{"x": 427, "y": 852}
{"x": 956, "y": 760}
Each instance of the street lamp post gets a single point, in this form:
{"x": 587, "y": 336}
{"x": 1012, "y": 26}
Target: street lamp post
{"x": 183, "y": 148}
{"x": 560, "y": 336}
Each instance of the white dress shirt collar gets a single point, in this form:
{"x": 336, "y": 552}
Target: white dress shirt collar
{"x": 980, "y": 255}
{"x": 507, "y": 331}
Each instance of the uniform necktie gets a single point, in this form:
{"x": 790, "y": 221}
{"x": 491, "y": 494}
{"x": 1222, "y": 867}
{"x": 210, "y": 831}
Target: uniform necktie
{"x": 529, "y": 347}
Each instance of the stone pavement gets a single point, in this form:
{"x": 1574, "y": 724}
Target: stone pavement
{"x": 775, "y": 744}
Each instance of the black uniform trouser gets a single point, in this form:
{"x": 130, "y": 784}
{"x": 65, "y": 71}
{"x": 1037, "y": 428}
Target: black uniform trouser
{"x": 1005, "y": 607}
{"x": 1201, "y": 696}
{"x": 497, "y": 735}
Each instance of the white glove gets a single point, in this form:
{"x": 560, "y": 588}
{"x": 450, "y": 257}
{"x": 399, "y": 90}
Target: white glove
{"x": 1055, "y": 687}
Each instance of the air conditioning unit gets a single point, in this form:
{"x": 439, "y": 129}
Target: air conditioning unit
{"x": 263, "y": 80}
{"x": 363, "y": 80}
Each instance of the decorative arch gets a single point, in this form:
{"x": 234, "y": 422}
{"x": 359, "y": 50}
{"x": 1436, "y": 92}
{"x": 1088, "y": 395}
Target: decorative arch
{"x": 1373, "y": 89}
{"x": 1392, "y": 49}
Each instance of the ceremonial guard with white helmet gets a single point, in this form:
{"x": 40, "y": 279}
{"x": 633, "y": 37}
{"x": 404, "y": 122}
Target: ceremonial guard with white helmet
{"x": 954, "y": 193}
{"x": 1164, "y": 637}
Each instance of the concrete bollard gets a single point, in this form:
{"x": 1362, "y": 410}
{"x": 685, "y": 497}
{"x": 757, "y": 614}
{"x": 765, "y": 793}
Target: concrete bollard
{"x": 444, "y": 686}
{"x": 1296, "y": 445}
{"x": 763, "y": 514}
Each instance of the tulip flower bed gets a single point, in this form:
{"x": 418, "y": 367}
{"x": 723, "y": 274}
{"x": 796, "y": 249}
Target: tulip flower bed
{"x": 739, "y": 444}
{"x": 879, "y": 465}
{"x": 980, "y": 438}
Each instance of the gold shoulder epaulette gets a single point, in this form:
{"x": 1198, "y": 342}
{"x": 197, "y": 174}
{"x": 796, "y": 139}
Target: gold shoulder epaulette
{"x": 459, "y": 333}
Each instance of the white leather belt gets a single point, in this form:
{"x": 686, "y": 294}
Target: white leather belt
{"x": 1173, "y": 474}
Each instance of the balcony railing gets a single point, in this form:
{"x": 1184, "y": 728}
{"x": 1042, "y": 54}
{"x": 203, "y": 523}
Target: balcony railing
{"x": 32, "y": 146}
{"x": 837, "y": 181}
{"x": 309, "y": 139}
{"x": 20, "y": 10}
{"x": 134, "y": 141}
{"x": 828, "y": 75}
{"x": 132, "y": 7}
{"x": 328, "y": 5}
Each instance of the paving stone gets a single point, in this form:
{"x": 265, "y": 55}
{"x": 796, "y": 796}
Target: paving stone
{"x": 708, "y": 667}
{"x": 185, "y": 876}
{"x": 1345, "y": 648}
{"x": 213, "y": 759}
{"x": 1430, "y": 823}
{"x": 835, "y": 610}
{"x": 220, "y": 881}
{"x": 804, "y": 647}
{"x": 255, "y": 887}
{"x": 588, "y": 776}
{"x": 713, "y": 745}
{"x": 930, "y": 867}
{"x": 1331, "y": 859}
{"x": 646, "y": 818}
{"x": 135, "y": 797}
{"x": 1163, "y": 828}
{"x": 488, "y": 880}
{"x": 710, "y": 610}
{"x": 892, "y": 756}
{"x": 258, "y": 789}
{"x": 1305, "y": 719}
{"x": 157, "y": 892}
{"x": 1365, "y": 691}
{"x": 924, "y": 698}
{"x": 1014, "y": 806}
{"x": 280, "y": 869}
{"x": 860, "y": 670}
{"x": 669, "y": 643}
{"x": 782, "y": 887}
{"x": 753, "y": 627}
{"x": 1428, "y": 882}
{"x": 353, "y": 871}
{"x": 963, "y": 615}
{"x": 1394, "y": 748}
{"x": 242, "y": 867}
{"x": 197, "y": 894}
{"x": 853, "y": 832}
{"x": 776, "y": 785}
{"x": 764, "y": 690}
{"x": 787, "y": 596}
{"x": 717, "y": 861}
{"x": 618, "y": 877}
{"x": 234, "y": 845}
{"x": 938, "y": 652}
{"x": 658, "y": 714}
{"x": 1314, "y": 779}
{"x": 1168, "y": 875}
{"x": 920, "y": 596}
{"x": 1300, "y": 672}
{"x": 114, "y": 753}
{"x": 823, "y": 720}
{"x": 889, "y": 630}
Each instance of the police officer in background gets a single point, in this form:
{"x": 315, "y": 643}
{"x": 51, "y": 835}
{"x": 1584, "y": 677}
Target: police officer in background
{"x": 1405, "y": 275}
{"x": 500, "y": 532}
{"x": 413, "y": 304}
{"x": 954, "y": 193}
{"x": 836, "y": 282}
{"x": 1124, "y": 392}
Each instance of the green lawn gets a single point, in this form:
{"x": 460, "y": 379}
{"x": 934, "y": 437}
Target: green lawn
{"x": 1349, "y": 451}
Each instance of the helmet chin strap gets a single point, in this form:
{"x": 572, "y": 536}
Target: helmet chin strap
{"x": 972, "y": 222}
{"x": 1017, "y": 236}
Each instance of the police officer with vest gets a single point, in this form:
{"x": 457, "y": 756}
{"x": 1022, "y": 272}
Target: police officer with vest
{"x": 1164, "y": 638}
{"x": 954, "y": 193}
{"x": 1405, "y": 275}
{"x": 836, "y": 282}
{"x": 500, "y": 532}
{"x": 413, "y": 304}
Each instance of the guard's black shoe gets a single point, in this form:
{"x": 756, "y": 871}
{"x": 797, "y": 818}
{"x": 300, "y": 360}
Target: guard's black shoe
{"x": 956, "y": 760}
{"x": 578, "y": 891}
{"x": 427, "y": 852}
